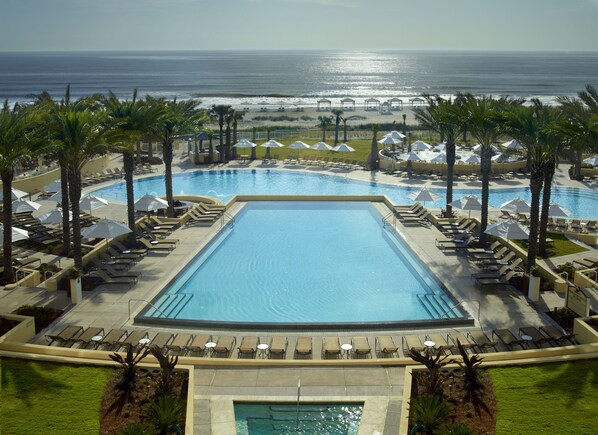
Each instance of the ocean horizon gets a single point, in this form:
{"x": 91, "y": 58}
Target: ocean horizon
{"x": 297, "y": 77}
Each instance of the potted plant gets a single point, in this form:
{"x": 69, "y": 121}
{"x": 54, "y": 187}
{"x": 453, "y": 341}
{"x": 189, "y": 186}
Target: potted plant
{"x": 533, "y": 289}
{"x": 75, "y": 285}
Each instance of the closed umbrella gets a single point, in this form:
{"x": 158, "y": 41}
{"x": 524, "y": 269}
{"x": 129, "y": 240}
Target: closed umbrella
{"x": 420, "y": 146}
{"x": 508, "y": 230}
{"x": 105, "y": 229}
{"x": 517, "y": 205}
{"x": 425, "y": 195}
{"x": 343, "y": 148}
{"x": 22, "y": 206}
{"x": 150, "y": 203}
{"x": 468, "y": 203}
{"x": 271, "y": 144}
{"x": 321, "y": 146}
{"x": 14, "y": 194}
{"x": 17, "y": 234}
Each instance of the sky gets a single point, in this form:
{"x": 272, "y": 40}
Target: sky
{"x": 66, "y": 25}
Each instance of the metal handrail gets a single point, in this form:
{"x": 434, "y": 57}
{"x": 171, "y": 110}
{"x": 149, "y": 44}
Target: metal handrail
{"x": 385, "y": 219}
{"x": 147, "y": 302}
{"x": 225, "y": 215}
{"x": 460, "y": 304}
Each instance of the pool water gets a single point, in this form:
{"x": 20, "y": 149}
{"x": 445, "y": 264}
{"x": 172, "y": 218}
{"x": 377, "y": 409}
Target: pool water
{"x": 287, "y": 418}
{"x": 303, "y": 262}
{"x": 224, "y": 184}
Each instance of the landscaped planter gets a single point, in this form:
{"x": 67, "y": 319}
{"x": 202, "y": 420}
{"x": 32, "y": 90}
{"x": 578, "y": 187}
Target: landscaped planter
{"x": 22, "y": 332}
{"x": 585, "y": 329}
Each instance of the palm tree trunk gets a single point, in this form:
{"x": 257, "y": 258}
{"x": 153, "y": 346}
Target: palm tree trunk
{"x": 450, "y": 170}
{"x": 150, "y": 151}
{"x": 7, "y": 177}
{"x": 167, "y": 150}
{"x": 546, "y": 194}
{"x": 336, "y": 133}
{"x": 227, "y": 139}
{"x": 485, "y": 167}
{"x": 221, "y": 126}
{"x": 535, "y": 185}
{"x": 345, "y": 131}
{"x": 577, "y": 163}
{"x": 323, "y": 133}
{"x": 74, "y": 176}
{"x": 138, "y": 152}
{"x": 129, "y": 168}
{"x": 374, "y": 152}
{"x": 211, "y": 150}
{"x": 64, "y": 202}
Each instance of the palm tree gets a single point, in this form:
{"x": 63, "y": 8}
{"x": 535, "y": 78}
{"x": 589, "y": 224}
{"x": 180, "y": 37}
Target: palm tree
{"x": 324, "y": 122}
{"x": 17, "y": 137}
{"x": 218, "y": 112}
{"x": 337, "y": 121}
{"x": 347, "y": 119}
{"x": 81, "y": 136}
{"x": 446, "y": 118}
{"x": 404, "y": 124}
{"x": 374, "y": 160}
{"x": 177, "y": 118}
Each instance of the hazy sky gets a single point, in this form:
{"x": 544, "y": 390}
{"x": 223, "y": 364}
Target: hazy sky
{"x": 41, "y": 25}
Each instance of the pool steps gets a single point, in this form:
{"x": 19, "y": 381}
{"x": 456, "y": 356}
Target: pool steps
{"x": 170, "y": 305}
{"x": 438, "y": 305}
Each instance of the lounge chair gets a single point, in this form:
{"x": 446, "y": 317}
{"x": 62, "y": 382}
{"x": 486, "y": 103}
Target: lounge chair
{"x": 278, "y": 346}
{"x": 163, "y": 224}
{"x": 124, "y": 250}
{"x": 248, "y": 346}
{"x": 504, "y": 280}
{"x": 156, "y": 247}
{"x": 412, "y": 342}
{"x": 456, "y": 245}
{"x": 538, "y": 339}
{"x": 113, "y": 337}
{"x": 66, "y": 335}
{"x": 150, "y": 229}
{"x": 224, "y": 345}
{"x": 331, "y": 347}
{"x": 508, "y": 338}
{"x": 304, "y": 346}
{"x": 107, "y": 279}
{"x": 114, "y": 253}
{"x": 132, "y": 339}
{"x": 86, "y": 336}
{"x": 497, "y": 262}
{"x": 482, "y": 341}
{"x": 198, "y": 343}
{"x": 557, "y": 335}
{"x": 491, "y": 274}
{"x": 441, "y": 343}
{"x": 161, "y": 340}
{"x": 460, "y": 338}
{"x": 116, "y": 261}
{"x": 174, "y": 242}
{"x": 179, "y": 342}
{"x": 361, "y": 346}
{"x": 208, "y": 211}
{"x": 386, "y": 345}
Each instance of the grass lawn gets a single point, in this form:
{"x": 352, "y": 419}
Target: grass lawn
{"x": 48, "y": 398}
{"x": 560, "y": 398}
{"x": 561, "y": 245}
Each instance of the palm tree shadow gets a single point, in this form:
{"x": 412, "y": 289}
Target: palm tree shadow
{"x": 571, "y": 382}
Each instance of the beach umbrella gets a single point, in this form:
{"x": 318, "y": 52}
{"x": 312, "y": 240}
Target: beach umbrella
{"x": 513, "y": 144}
{"x": 440, "y": 147}
{"x": 477, "y": 148}
{"x": 420, "y": 146}
{"x": 508, "y": 230}
{"x": 105, "y": 229}
{"x": 388, "y": 140}
{"x": 424, "y": 195}
{"x": 91, "y": 202}
{"x": 54, "y": 216}
{"x": 591, "y": 161}
{"x": 396, "y": 135}
{"x": 298, "y": 145}
{"x": 555, "y": 210}
{"x": 150, "y": 203}
{"x": 439, "y": 158}
{"x": 54, "y": 186}
{"x": 14, "y": 194}
{"x": 244, "y": 143}
{"x": 343, "y": 148}
{"x": 22, "y": 206}
{"x": 472, "y": 159}
{"x": 517, "y": 205}
{"x": 413, "y": 157}
{"x": 498, "y": 158}
{"x": 468, "y": 203}
{"x": 271, "y": 144}
{"x": 321, "y": 146}
{"x": 17, "y": 234}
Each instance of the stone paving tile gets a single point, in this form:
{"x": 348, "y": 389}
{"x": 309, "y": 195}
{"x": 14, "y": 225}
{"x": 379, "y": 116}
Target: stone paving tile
{"x": 321, "y": 376}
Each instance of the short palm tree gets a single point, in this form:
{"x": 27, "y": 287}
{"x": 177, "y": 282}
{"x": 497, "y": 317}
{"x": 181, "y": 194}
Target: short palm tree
{"x": 323, "y": 123}
{"x": 218, "y": 111}
{"x": 346, "y": 119}
{"x": 338, "y": 116}
{"x": 374, "y": 160}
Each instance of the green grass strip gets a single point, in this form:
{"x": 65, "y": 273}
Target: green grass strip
{"x": 560, "y": 398}
{"x": 50, "y": 398}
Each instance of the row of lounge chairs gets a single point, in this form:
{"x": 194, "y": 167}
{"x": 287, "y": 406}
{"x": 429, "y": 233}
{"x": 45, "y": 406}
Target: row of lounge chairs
{"x": 409, "y": 215}
{"x": 203, "y": 214}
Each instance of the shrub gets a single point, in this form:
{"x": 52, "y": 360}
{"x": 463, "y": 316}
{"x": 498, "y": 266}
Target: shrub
{"x": 165, "y": 411}
{"x": 129, "y": 365}
{"x": 166, "y": 380}
{"x": 43, "y": 315}
{"x": 471, "y": 370}
{"x": 134, "y": 429}
{"x": 434, "y": 363}
{"x": 430, "y": 411}
{"x": 459, "y": 429}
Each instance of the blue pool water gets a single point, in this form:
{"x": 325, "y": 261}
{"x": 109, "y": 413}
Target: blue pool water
{"x": 224, "y": 184}
{"x": 303, "y": 262}
{"x": 288, "y": 418}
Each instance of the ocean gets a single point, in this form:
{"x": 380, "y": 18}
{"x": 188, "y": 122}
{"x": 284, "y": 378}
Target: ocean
{"x": 244, "y": 78}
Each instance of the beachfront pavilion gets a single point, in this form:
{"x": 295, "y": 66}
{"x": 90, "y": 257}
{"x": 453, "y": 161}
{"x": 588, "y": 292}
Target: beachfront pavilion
{"x": 324, "y": 105}
{"x": 396, "y": 103}
{"x": 348, "y": 104}
{"x": 371, "y": 104}
{"x": 381, "y": 380}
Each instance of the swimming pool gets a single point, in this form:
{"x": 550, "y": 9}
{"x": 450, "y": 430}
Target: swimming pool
{"x": 298, "y": 262}
{"x": 224, "y": 184}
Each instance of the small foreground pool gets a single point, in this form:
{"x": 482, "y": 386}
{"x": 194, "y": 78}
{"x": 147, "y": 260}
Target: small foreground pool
{"x": 290, "y": 418}
{"x": 301, "y": 262}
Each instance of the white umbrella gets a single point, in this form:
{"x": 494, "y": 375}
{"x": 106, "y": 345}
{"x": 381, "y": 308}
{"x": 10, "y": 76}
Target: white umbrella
{"x": 244, "y": 143}
{"x": 439, "y": 158}
{"x": 424, "y": 195}
{"x": 591, "y": 161}
{"x": 517, "y": 205}
{"x": 413, "y": 157}
{"x": 513, "y": 144}
{"x": 54, "y": 186}
{"x": 472, "y": 158}
{"x": 150, "y": 203}
{"x": 509, "y": 230}
{"x": 477, "y": 148}
{"x": 91, "y": 202}
{"x": 396, "y": 135}
{"x": 271, "y": 144}
{"x": 420, "y": 146}
{"x": 298, "y": 145}
{"x": 441, "y": 147}
{"x": 54, "y": 216}
{"x": 17, "y": 234}
{"x": 22, "y": 206}
{"x": 14, "y": 194}
{"x": 468, "y": 203}
{"x": 498, "y": 158}
{"x": 389, "y": 140}
{"x": 343, "y": 148}
{"x": 556, "y": 210}
{"x": 321, "y": 146}
{"x": 105, "y": 229}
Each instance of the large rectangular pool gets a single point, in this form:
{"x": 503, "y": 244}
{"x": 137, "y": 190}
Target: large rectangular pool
{"x": 295, "y": 262}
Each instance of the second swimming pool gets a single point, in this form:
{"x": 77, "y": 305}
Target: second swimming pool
{"x": 304, "y": 262}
